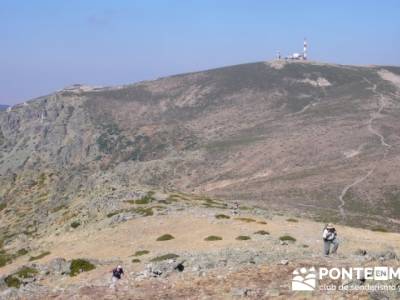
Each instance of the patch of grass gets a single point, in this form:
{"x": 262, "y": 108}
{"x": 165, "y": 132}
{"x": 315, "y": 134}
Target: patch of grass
{"x": 243, "y": 238}
{"x": 26, "y": 272}
{"x": 292, "y": 220}
{"x": 262, "y": 232}
{"x": 262, "y": 222}
{"x": 136, "y": 260}
{"x": 379, "y": 229}
{"x": 141, "y": 252}
{"x": 5, "y": 258}
{"x": 164, "y": 257}
{"x": 111, "y": 214}
{"x": 213, "y": 238}
{"x": 247, "y": 220}
{"x": 75, "y": 224}
{"x": 222, "y": 216}
{"x": 12, "y": 281}
{"x": 80, "y": 265}
{"x": 32, "y": 258}
{"x": 145, "y": 212}
{"x": 58, "y": 208}
{"x": 305, "y": 246}
{"x": 22, "y": 252}
{"x": 2, "y": 206}
{"x": 146, "y": 199}
{"x": 165, "y": 237}
{"x": 130, "y": 201}
{"x": 287, "y": 238}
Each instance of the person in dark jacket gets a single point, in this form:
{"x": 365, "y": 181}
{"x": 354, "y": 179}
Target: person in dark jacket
{"x": 116, "y": 275}
{"x": 329, "y": 236}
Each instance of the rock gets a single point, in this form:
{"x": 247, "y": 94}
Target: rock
{"x": 58, "y": 266}
{"x": 283, "y": 262}
{"x": 386, "y": 255}
{"x": 240, "y": 292}
{"x": 360, "y": 252}
{"x": 11, "y": 294}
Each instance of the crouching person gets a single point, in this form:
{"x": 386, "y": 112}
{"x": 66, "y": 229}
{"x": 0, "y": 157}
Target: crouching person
{"x": 330, "y": 241}
{"x": 116, "y": 275}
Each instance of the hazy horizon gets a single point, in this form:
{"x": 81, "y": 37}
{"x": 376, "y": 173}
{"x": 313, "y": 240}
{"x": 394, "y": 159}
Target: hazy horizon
{"x": 47, "y": 46}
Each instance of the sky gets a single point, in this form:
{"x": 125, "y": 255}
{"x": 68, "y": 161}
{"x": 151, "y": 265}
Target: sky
{"x": 48, "y": 45}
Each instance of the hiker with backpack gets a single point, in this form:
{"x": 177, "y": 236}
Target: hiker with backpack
{"x": 116, "y": 275}
{"x": 329, "y": 236}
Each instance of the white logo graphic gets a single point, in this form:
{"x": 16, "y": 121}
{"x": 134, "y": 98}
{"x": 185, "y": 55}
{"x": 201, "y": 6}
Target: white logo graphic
{"x": 304, "y": 279}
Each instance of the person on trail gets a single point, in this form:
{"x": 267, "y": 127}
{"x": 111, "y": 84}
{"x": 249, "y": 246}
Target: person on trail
{"x": 329, "y": 236}
{"x": 116, "y": 275}
{"x": 235, "y": 208}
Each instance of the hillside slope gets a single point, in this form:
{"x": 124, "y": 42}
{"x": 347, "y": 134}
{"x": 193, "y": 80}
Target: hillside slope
{"x": 313, "y": 138}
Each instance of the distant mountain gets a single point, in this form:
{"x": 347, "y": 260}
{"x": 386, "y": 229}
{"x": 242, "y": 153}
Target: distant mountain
{"x": 312, "y": 138}
{"x": 3, "y": 107}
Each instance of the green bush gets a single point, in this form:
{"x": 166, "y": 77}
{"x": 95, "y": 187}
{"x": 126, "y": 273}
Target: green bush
{"x": 2, "y": 206}
{"x": 165, "y": 257}
{"x": 222, "y": 216}
{"x": 22, "y": 252}
{"x": 5, "y": 258}
{"x": 136, "y": 260}
{"x": 292, "y": 220}
{"x": 32, "y": 258}
{"x": 12, "y": 281}
{"x": 141, "y": 252}
{"x": 379, "y": 229}
{"x": 80, "y": 265}
{"x": 213, "y": 238}
{"x": 262, "y": 232}
{"x": 243, "y": 238}
{"x": 262, "y": 222}
{"x": 165, "y": 237}
{"x": 75, "y": 224}
{"x": 26, "y": 272}
{"x": 287, "y": 238}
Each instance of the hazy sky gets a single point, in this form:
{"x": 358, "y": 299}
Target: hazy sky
{"x": 46, "y": 45}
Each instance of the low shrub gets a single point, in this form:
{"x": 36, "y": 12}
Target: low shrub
{"x": 379, "y": 229}
{"x": 80, "y": 265}
{"x": 262, "y": 222}
{"x": 292, "y": 220}
{"x": 22, "y": 252}
{"x": 222, "y": 216}
{"x": 136, "y": 260}
{"x": 165, "y": 237}
{"x": 75, "y": 224}
{"x": 287, "y": 238}
{"x": 213, "y": 238}
{"x": 262, "y": 232}
{"x": 43, "y": 254}
{"x": 165, "y": 257}
{"x": 141, "y": 252}
{"x": 12, "y": 281}
{"x": 243, "y": 238}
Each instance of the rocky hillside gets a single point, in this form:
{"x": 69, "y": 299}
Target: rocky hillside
{"x": 317, "y": 139}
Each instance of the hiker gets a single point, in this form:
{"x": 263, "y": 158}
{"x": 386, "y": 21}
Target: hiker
{"x": 329, "y": 237}
{"x": 116, "y": 275}
{"x": 235, "y": 208}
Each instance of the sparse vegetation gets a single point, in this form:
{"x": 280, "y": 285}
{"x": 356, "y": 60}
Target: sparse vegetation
{"x": 2, "y": 206}
{"x": 80, "y": 265}
{"x": 222, "y": 216}
{"x": 292, "y": 220}
{"x": 111, "y": 214}
{"x": 247, "y": 220}
{"x": 165, "y": 237}
{"x": 164, "y": 257}
{"x": 43, "y": 254}
{"x": 262, "y": 232}
{"x": 12, "y": 281}
{"x": 379, "y": 229}
{"x": 243, "y": 238}
{"x": 213, "y": 238}
{"x": 75, "y": 224}
{"x": 141, "y": 252}
{"x": 136, "y": 260}
{"x": 26, "y": 272}
{"x": 22, "y": 252}
{"x": 145, "y": 212}
{"x": 262, "y": 222}
{"x": 287, "y": 238}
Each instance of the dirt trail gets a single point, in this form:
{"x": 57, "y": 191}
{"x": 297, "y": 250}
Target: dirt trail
{"x": 371, "y": 129}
